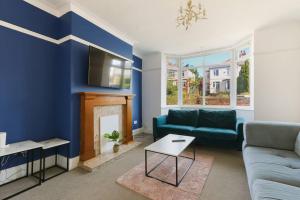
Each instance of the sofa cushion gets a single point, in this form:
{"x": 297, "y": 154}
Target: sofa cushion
{"x": 215, "y": 133}
{"x": 269, "y": 190}
{"x": 182, "y": 117}
{"x": 297, "y": 145}
{"x": 217, "y": 119}
{"x": 173, "y": 128}
{"x": 272, "y": 164}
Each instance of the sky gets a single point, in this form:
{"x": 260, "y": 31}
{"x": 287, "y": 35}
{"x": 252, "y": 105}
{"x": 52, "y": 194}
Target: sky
{"x": 211, "y": 59}
{"x": 217, "y": 58}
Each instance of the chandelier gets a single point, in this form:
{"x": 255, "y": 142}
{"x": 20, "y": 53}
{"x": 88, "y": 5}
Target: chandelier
{"x": 190, "y": 13}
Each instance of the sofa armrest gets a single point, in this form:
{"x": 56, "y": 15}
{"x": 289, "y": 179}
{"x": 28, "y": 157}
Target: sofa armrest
{"x": 158, "y": 121}
{"x": 240, "y": 131}
{"x": 271, "y": 134}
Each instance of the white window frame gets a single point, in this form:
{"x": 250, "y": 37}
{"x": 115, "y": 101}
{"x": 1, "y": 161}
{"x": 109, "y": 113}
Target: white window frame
{"x": 232, "y": 70}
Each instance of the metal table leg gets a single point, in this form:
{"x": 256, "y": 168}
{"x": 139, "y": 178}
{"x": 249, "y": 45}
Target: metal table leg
{"x": 27, "y": 163}
{"x": 194, "y": 151}
{"x": 176, "y": 171}
{"x": 56, "y": 155}
{"x": 28, "y": 160}
{"x": 65, "y": 169}
{"x": 44, "y": 164}
{"x": 178, "y": 180}
{"x": 68, "y": 156}
{"x": 32, "y": 161}
{"x": 146, "y": 173}
{"x": 40, "y": 173}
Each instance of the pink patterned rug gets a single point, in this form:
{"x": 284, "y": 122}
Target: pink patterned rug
{"x": 190, "y": 187}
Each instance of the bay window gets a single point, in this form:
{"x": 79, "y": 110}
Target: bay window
{"x": 206, "y": 79}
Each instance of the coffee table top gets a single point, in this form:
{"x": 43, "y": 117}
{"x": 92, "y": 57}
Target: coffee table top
{"x": 166, "y": 146}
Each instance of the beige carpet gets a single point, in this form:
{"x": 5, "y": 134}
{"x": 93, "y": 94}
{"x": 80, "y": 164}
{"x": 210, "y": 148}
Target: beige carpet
{"x": 226, "y": 181}
{"x": 189, "y": 189}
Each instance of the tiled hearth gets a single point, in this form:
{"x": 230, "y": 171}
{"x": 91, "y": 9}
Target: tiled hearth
{"x": 93, "y": 163}
{"x": 104, "y": 155}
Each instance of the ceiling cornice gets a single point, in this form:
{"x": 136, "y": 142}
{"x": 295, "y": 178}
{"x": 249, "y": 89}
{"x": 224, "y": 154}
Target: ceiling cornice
{"x": 83, "y": 12}
{"x": 43, "y": 6}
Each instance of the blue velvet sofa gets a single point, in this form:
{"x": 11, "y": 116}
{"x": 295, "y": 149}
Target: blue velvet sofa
{"x": 208, "y": 126}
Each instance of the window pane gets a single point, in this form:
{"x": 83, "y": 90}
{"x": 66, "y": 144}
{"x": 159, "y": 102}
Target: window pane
{"x": 243, "y": 83}
{"x": 192, "y": 62}
{"x": 243, "y": 53}
{"x": 192, "y": 84}
{"x": 217, "y": 78}
{"x": 218, "y": 58}
{"x": 192, "y": 80}
{"x": 172, "y": 81}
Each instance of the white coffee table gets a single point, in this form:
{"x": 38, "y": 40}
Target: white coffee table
{"x": 167, "y": 147}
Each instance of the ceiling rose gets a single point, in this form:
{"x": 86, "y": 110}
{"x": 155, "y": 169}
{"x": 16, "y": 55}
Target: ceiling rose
{"x": 190, "y": 13}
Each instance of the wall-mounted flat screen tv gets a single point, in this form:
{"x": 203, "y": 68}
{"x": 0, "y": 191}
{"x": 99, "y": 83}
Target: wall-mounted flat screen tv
{"x": 108, "y": 70}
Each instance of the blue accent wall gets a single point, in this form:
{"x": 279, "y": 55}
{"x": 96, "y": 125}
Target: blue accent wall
{"x": 27, "y": 86}
{"x": 137, "y": 90}
{"x": 40, "y": 81}
{"x": 22, "y": 14}
{"x": 88, "y": 31}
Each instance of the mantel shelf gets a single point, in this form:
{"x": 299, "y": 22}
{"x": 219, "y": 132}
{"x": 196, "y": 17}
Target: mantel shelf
{"x": 106, "y": 94}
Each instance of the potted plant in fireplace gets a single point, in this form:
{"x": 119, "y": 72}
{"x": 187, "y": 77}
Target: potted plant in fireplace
{"x": 114, "y": 137}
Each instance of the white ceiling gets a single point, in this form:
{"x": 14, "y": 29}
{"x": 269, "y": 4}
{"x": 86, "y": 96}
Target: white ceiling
{"x": 152, "y": 23}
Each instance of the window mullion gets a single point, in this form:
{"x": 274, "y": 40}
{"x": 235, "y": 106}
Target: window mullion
{"x": 233, "y": 80}
{"x": 180, "y": 97}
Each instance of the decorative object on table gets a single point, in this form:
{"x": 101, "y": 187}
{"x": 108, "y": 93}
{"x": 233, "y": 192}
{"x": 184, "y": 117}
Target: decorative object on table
{"x": 2, "y": 140}
{"x": 114, "y": 137}
{"x": 178, "y": 140}
{"x": 190, "y": 188}
{"x": 190, "y": 13}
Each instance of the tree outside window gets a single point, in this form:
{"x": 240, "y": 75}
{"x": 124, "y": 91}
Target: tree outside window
{"x": 172, "y": 81}
{"x": 243, "y": 77}
{"x": 193, "y": 77}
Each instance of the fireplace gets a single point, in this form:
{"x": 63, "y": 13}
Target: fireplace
{"x": 97, "y": 107}
{"x": 106, "y": 120}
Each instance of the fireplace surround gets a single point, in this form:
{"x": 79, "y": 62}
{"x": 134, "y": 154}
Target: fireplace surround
{"x": 90, "y": 100}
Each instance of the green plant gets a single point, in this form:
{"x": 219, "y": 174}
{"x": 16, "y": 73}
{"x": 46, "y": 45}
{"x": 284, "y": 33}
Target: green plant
{"x": 114, "y": 136}
{"x": 243, "y": 78}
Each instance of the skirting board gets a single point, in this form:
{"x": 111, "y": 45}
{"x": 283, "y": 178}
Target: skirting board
{"x": 137, "y": 131}
{"x": 148, "y": 131}
{"x": 20, "y": 170}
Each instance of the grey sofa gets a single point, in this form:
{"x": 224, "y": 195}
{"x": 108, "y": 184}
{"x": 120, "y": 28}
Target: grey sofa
{"x": 272, "y": 164}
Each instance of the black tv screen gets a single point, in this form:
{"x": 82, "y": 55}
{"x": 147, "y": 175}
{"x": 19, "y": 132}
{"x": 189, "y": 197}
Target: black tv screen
{"x": 107, "y": 70}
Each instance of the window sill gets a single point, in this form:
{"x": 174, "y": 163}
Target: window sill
{"x": 246, "y": 108}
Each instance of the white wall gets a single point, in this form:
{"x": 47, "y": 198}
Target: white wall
{"x": 277, "y": 73}
{"x": 151, "y": 95}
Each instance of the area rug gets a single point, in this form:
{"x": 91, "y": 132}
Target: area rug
{"x": 189, "y": 189}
